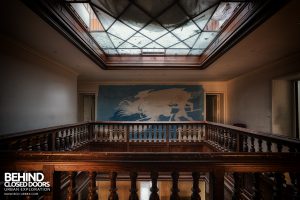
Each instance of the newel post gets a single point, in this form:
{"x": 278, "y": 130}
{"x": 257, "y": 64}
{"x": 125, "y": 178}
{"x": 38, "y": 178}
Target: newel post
{"x": 54, "y": 180}
{"x": 218, "y": 184}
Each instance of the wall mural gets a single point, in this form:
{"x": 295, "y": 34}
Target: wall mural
{"x": 150, "y": 103}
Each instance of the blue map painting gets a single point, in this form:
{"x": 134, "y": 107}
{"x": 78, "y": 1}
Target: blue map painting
{"x": 150, "y": 103}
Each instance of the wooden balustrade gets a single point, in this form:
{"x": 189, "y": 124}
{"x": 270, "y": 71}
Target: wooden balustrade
{"x": 220, "y": 137}
{"x": 216, "y": 164}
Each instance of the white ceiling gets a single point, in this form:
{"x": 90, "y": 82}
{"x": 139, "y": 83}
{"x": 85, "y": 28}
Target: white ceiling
{"x": 278, "y": 37}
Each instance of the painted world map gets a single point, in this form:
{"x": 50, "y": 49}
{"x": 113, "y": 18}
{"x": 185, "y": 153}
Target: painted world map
{"x": 150, "y": 103}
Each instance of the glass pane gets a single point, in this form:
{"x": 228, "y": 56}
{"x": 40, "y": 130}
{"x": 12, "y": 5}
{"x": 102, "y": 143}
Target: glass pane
{"x": 180, "y": 45}
{"x": 102, "y": 39}
{"x": 110, "y": 51}
{"x": 154, "y": 7}
{"x": 167, "y": 40}
{"x": 113, "y": 7}
{"x": 135, "y": 18}
{"x": 116, "y": 41}
{"x": 121, "y": 30}
{"x": 172, "y": 18}
{"x": 186, "y": 30}
{"x": 194, "y": 8}
{"x": 153, "y": 45}
{"x": 196, "y": 52}
{"x": 221, "y": 15}
{"x": 139, "y": 40}
{"x": 127, "y": 45}
{"x": 129, "y": 51}
{"x": 191, "y": 41}
{"x": 202, "y": 19}
{"x": 177, "y": 51}
{"x": 205, "y": 39}
{"x": 82, "y": 9}
{"x": 153, "y": 30}
{"x": 104, "y": 18}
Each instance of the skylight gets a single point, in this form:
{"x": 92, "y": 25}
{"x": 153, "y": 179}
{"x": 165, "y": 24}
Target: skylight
{"x": 145, "y": 27}
{"x": 154, "y": 34}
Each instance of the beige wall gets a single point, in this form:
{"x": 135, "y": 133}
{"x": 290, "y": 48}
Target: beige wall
{"x": 35, "y": 91}
{"x": 252, "y": 99}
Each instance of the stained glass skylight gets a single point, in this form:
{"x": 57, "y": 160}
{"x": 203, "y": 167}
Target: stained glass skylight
{"x": 149, "y": 27}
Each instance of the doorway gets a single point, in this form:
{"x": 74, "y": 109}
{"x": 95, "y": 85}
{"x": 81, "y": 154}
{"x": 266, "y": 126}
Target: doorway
{"x": 86, "y": 107}
{"x": 214, "y": 107}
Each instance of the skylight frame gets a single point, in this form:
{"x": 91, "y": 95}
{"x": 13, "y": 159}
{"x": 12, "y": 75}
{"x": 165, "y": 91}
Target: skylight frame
{"x": 60, "y": 17}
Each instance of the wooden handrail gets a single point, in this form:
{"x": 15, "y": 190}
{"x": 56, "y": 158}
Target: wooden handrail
{"x": 38, "y": 131}
{"x": 220, "y": 136}
{"x": 146, "y": 161}
{"x": 285, "y": 140}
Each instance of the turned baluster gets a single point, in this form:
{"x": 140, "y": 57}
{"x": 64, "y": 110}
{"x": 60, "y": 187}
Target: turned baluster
{"x": 29, "y": 144}
{"x": 154, "y": 188}
{"x": 295, "y": 180}
{"x": 77, "y": 137}
{"x": 226, "y": 140}
{"x": 179, "y": 132}
{"x": 113, "y": 195}
{"x": 234, "y": 142}
{"x": 230, "y": 141}
{"x": 269, "y": 146}
{"x": 174, "y": 189}
{"x": 279, "y": 148}
{"x": 252, "y": 149}
{"x": 237, "y": 183}
{"x": 117, "y": 132}
{"x": 71, "y": 190}
{"x": 92, "y": 190}
{"x": 67, "y": 142}
{"x": 195, "y": 189}
{"x": 256, "y": 186}
{"x": 37, "y": 143}
{"x": 200, "y": 132}
{"x": 245, "y": 138}
{"x": 62, "y": 141}
{"x": 222, "y": 137}
{"x": 279, "y": 180}
{"x": 71, "y": 139}
{"x": 192, "y": 131}
{"x": 133, "y": 190}
{"x": 44, "y": 142}
{"x": 57, "y": 141}
{"x": 260, "y": 149}
{"x": 189, "y": 133}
